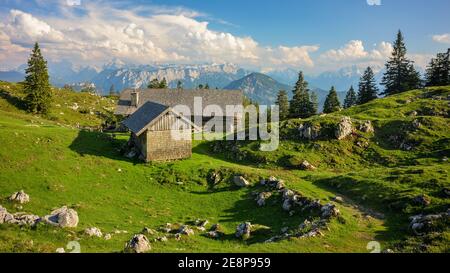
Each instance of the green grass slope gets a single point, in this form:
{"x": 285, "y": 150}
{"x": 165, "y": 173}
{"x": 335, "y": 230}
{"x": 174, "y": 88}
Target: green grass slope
{"x": 58, "y": 164}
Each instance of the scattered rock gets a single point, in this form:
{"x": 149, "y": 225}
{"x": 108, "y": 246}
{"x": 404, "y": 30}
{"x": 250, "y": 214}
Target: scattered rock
{"x": 416, "y": 124}
{"x": 201, "y": 223}
{"x": 421, "y": 224}
{"x": 3, "y": 214}
{"x": 107, "y": 236}
{"x": 93, "y": 232}
{"x": 305, "y": 165}
{"x": 243, "y": 230}
{"x": 287, "y": 205}
{"x": 413, "y": 114}
{"x": 62, "y": 217}
{"x": 214, "y": 178}
{"x": 240, "y": 181}
{"x": 21, "y": 219}
{"x": 388, "y": 250}
{"x": 445, "y": 191}
{"x": 186, "y": 230}
{"x": 148, "y": 231}
{"x": 20, "y": 197}
{"x": 366, "y": 127}
{"x": 284, "y": 229}
{"x": 309, "y": 131}
{"x": 406, "y": 146}
{"x": 60, "y": 250}
{"x": 280, "y": 185}
{"x": 329, "y": 210}
{"x": 262, "y": 197}
{"x": 422, "y": 200}
{"x": 305, "y": 224}
{"x": 338, "y": 199}
{"x": 214, "y": 234}
{"x": 138, "y": 244}
{"x": 161, "y": 239}
{"x": 167, "y": 228}
{"x": 344, "y": 128}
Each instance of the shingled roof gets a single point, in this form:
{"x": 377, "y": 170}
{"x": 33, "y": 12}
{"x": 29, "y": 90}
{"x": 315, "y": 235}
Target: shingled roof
{"x": 144, "y": 115}
{"x": 173, "y": 97}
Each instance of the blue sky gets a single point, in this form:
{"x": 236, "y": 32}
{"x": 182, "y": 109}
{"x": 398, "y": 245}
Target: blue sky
{"x": 314, "y": 35}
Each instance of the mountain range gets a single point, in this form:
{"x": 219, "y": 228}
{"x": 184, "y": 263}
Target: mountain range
{"x": 259, "y": 87}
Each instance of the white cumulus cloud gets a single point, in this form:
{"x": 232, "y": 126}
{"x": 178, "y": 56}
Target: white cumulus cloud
{"x": 442, "y": 38}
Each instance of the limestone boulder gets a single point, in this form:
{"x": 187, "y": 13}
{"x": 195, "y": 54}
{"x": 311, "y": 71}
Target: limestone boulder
{"x": 138, "y": 244}
{"x": 240, "y": 181}
{"x": 344, "y": 128}
{"x": 93, "y": 232}
{"x": 62, "y": 217}
{"x": 243, "y": 230}
{"x": 20, "y": 197}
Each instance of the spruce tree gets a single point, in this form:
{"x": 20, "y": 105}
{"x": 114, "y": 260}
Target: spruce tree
{"x": 350, "y": 99}
{"x": 179, "y": 85}
{"x": 332, "y": 103}
{"x": 283, "y": 103}
{"x": 400, "y": 73}
{"x": 163, "y": 84}
{"x": 206, "y": 86}
{"x": 367, "y": 87}
{"x": 301, "y": 106}
{"x": 36, "y": 86}
{"x": 112, "y": 90}
{"x": 438, "y": 71}
{"x": 153, "y": 84}
{"x": 314, "y": 103}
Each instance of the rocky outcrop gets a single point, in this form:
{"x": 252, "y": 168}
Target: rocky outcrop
{"x": 215, "y": 232}
{"x": 243, "y": 230}
{"x": 62, "y": 217}
{"x": 19, "y": 218}
{"x": 422, "y": 200}
{"x": 138, "y": 244}
{"x": 20, "y": 197}
{"x": 366, "y": 127}
{"x": 185, "y": 230}
{"x": 421, "y": 224}
{"x": 344, "y": 128}
{"x": 329, "y": 210}
{"x": 240, "y": 181}
{"x": 309, "y": 131}
{"x": 262, "y": 197}
{"x": 22, "y": 219}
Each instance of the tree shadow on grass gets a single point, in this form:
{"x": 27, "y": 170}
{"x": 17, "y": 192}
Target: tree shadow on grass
{"x": 267, "y": 221}
{"x": 101, "y": 145}
{"x": 396, "y": 222}
{"x": 17, "y": 102}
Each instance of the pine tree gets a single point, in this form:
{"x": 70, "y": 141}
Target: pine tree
{"x": 283, "y": 103}
{"x": 153, "y": 84}
{"x": 314, "y": 103}
{"x": 400, "y": 73}
{"x": 301, "y": 106}
{"x": 163, "y": 84}
{"x": 350, "y": 98}
{"x": 179, "y": 85}
{"x": 200, "y": 86}
{"x": 36, "y": 85}
{"x": 332, "y": 103}
{"x": 206, "y": 86}
{"x": 367, "y": 87}
{"x": 438, "y": 71}
{"x": 112, "y": 90}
